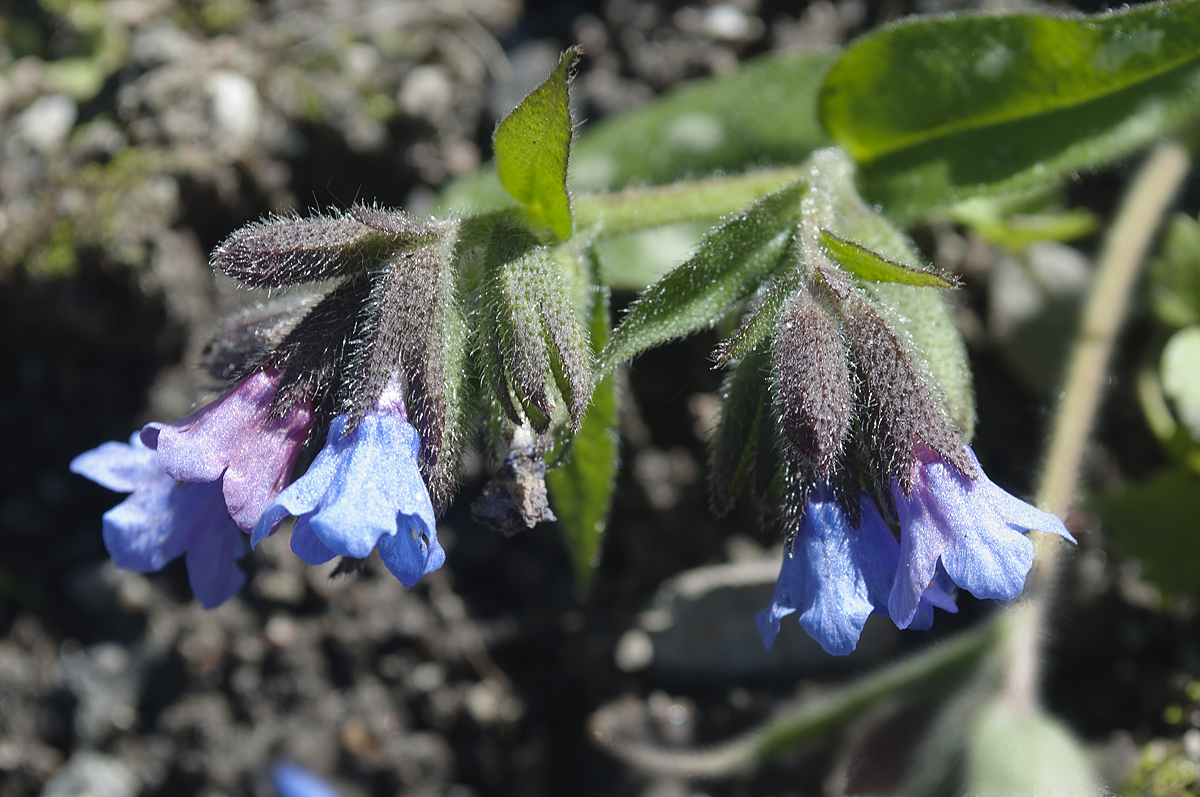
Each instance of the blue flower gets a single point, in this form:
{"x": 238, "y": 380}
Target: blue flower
{"x": 970, "y": 527}
{"x": 293, "y": 781}
{"x": 164, "y": 519}
{"x": 838, "y": 575}
{"x": 363, "y": 491}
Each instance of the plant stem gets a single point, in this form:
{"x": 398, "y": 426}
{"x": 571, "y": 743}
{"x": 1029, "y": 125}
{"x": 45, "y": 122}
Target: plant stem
{"x": 619, "y": 212}
{"x": 946, "y": 661}
{"x": 1138, "y": 218}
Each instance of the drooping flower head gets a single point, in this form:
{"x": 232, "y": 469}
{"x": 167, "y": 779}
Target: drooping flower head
{"x": 364, "y": 491}
{"x": 837, "y": 575}
{"x": 164, "y": 519}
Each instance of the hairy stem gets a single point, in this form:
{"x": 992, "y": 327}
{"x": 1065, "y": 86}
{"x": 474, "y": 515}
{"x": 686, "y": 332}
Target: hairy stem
{"x": 1138, "y": 218}
{"x": 633, "y": 209}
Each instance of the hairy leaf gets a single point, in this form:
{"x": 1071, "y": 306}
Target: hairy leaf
{"x": 939, "y": 110}
{"x": 532, "y": 145}
{"x": 868, "y": 265}
{"x": 581, "y": 488}
{"x": 729, "y": 265}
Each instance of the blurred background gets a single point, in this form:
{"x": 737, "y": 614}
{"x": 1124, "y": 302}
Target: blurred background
{"x": 136, "y": 134}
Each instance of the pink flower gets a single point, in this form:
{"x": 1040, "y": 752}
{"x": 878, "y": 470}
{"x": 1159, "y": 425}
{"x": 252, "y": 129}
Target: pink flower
{"x": 237, "y": 437}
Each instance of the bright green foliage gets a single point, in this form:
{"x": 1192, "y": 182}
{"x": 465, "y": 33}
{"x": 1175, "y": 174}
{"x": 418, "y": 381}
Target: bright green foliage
{"x": 868, "y": 265}
{"x": 763, "y": 113}
{"x": 1175, "y": 277}
{"x": 581, "y": 487}
{"x": 731, "y": 263}
{"x": 1155, "y": 521}
{"x": 1008, "y": 225}
{"x": 939, "y": 110}
{"x": 1024, "y": 752}
{"x": 532, "y": 144}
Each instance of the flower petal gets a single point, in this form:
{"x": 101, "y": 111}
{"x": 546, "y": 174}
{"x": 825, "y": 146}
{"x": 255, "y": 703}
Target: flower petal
{"x": 235, "y": 437}
{"x": 118, "y": 466}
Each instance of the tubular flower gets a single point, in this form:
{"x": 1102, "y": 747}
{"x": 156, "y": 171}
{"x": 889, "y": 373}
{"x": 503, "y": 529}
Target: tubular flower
{"x": 236, "y": 440}
{"x": 971, "y": 527}
{"x": 363, "y": 491}
{"x": 837, "y": 575}
{"x": 164, "y": 519}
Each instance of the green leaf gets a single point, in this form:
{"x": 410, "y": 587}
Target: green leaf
{"x": 762, "y": 113}
{"x": 939, "y": 110}
{"x": 532, "y": 144}
{"x": 1175, "y": 277}
{"x": 868, "y": 265}
{"x": 1025, "y": 752}
{"x": 1155, "y": 521}
{"x": 1016, "y": 232}
{"x": 581, "y": 488}
{"x": 744, "y": 439}
{"x": 632, "y": 261}
{"x": 1181, "y": 376}
{"x": 728, "y": 267}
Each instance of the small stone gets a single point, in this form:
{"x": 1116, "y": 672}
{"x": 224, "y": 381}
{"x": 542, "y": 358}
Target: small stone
{"x": 94, "y": 775}
{"x": 236, "y": 107}
{"x": 635, "y": 651}
{"x": 47, "y": 122}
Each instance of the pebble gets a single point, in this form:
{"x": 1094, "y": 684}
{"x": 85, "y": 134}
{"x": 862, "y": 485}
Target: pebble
{"x": 47, "y": 122}
{"x": 91, "y": 774}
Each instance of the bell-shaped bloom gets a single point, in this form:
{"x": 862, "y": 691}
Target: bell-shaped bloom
{"x": 972, "y": 528}
{"x": 236, "y": 440}
{"x": 164, "y": 519}
{"x": 363, "y": 491}
{"x": 836, "y": 575}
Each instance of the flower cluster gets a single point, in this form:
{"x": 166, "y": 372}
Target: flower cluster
{"x": 338, "y": 369}
{"x": 867, "y": 446}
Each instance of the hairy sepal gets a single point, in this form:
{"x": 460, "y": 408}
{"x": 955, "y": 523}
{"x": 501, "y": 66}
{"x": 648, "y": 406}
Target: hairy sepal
{"x": 812, "y": 388}
{"x": 412, "y": 327}
{"x": 245, "y": 337}
{"x": 532, "y": 339}
{"x": 289, "y": 250}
